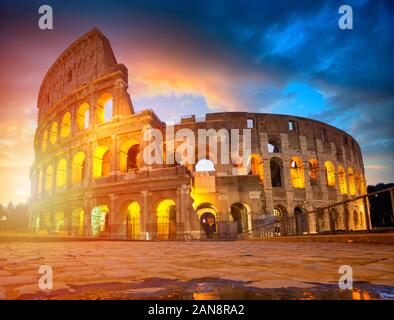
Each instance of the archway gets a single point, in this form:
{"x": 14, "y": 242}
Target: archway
{"x": 133, "y": 221}
{"x": 276, "y": 172}
{"x": 129, "y": 155}
{"x": 255, "y": 166}
{"x": 313, "y": 169}
{"x": 78, "y": 167}
{"x": 334, "y": 220}
{"x": 65, "y": 127}
{"x": 101, "y": 162}
{"x": 61, "y": 173}
{"x": 100, "y": 220}
{"x": 297, "y": 173}
{"x": 301, "y": 221}
{"x": 104, "y": 108}
{"x": 281, "y": 223}
{"x": 240, "y": 213}
{"x": 77, "y": 222}
{"x": 166, "y": 220}
{"x": 208, "y": 218}
{"x": 330, "y": 173}
{"x": 82, "y": 116}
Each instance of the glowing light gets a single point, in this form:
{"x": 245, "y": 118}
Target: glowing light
{"x": 330, "y": 173}
{"x": 297, "y": 173}
{"x": 66, "y": 125}
{"x": 342, "y": 180}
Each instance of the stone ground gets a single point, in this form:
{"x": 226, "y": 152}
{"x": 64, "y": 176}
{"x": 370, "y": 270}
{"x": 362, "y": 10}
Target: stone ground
{"x": 129, "y": 270}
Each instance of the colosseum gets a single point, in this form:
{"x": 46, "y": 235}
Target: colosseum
{"x": 89, "y": 178}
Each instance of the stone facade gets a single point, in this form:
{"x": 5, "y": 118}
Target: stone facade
{"x": 89, "y": 178}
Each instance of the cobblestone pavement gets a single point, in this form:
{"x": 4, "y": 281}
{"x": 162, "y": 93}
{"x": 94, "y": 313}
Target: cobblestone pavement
{"x": 155, "y": 266}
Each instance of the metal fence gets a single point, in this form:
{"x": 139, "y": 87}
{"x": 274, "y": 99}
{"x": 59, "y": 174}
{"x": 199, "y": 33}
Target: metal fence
{"x": 333, "y": 219}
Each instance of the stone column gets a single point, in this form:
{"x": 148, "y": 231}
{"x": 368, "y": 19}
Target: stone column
{"x": 145, "y": 219}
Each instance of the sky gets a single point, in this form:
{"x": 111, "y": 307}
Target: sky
{"x": 196, "y": 57}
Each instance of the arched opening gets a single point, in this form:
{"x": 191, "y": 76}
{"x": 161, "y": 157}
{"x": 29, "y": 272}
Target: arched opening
{"x": 53, "y": 133}
{"x": 352, "y": 185}
{"x": 208, "y": 218}
{"x": 61, "y": 173}
{"x": 58, "y": 223}
{"x": 78, "y": 169}
{"x": 104, "y": 108}
{"x": 297, "y": 173}
{"x": 44, "y": 140}
{"x": 48, "y": 178}
{"x": 313, "y": 169}
{"x": 255, "y": 166}
{"x": 129, "y": 156}
{"x": 330, "y": 173}
{"x": 77, "y": 222}
{"x": 100, "y": 220}
{"x": 101, "y": 162}
{"x": 166, "y": 220}
{"x": 133, "y": 221}
{"x": 301, "y": 220}
{"x": 241, "y": 214}
{"x": 342, "y": 180}
{"x": 82, "y": 116}
{"x": 334, "y": 220}
{"x": 355, "y": 219}
{"x": 280, "y": 222}
{"x": 66, "y": 125}
{"x": 276, "y": 172}
{"x": 205, "y": 165}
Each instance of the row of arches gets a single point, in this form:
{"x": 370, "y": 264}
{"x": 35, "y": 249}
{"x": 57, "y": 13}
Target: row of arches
{"x": 56, "y": 131}
{"x": 349, "y": 182}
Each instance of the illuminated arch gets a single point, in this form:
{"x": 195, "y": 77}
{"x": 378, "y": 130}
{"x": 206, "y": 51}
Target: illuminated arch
{"x": 49, "y": 178}
{"x": 99, "y": 221}
{"x": 53, "y": 133}
{"x": 129, "y": 155}
{"x": 207, "y": 214}
{"x": 313, "y": 170}
{"x": 255, "y": 166}
{"x": 330, "y": 173}
{"x": 104, "y": 108}
{"x": 61, "y": 173}
{"x": 78, "y": 167}
{"x": 133, "y": 220}
{"x": 352, "y": 185}
{"x": 66, "y": 125}
{"x": 297, "y": 173}
{"x": 44, "y": 140}
{"x": 342, "y": 180}
{"x": 101, "y": 162}
{"x": 166, "y": 219}
{"x": 82, "y": 116}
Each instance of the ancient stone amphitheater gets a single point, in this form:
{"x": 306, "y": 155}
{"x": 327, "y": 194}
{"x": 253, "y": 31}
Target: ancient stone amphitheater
{"x": 89, "y": 178}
